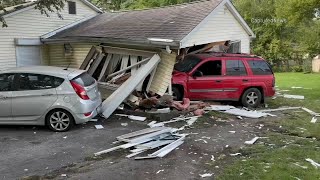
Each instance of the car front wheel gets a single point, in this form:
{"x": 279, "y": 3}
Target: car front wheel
{"x": 251, "y": 98}
{"x": 59, "y": 120}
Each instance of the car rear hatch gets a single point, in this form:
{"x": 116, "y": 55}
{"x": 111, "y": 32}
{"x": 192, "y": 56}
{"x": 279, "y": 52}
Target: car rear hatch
{"x": 89, "y": 84}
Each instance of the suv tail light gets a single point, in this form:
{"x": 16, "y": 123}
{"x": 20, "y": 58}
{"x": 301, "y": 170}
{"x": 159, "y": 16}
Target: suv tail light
{"x": 81, "y": 92}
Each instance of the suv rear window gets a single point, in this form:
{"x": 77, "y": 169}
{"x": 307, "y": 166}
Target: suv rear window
{"x": 260, "y": 67}
{"x": 84, "y": 79}
{"x": 235, "y": 68}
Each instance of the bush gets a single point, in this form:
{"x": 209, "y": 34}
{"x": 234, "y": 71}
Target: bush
{"x": 297, "y": 69}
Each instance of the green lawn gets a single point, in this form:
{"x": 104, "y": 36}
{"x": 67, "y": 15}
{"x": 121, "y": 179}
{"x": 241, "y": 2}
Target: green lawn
{"x": 282, "y": 155}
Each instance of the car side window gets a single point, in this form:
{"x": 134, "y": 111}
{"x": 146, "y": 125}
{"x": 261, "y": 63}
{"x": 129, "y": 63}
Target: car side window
{"x": 235, "y": 68}
{"x": 210, "y": 68}
{"x": 37, "y": 82}
{"x": 6, "y": 82}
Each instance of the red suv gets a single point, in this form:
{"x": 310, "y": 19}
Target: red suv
{"x": 219, "y": 76}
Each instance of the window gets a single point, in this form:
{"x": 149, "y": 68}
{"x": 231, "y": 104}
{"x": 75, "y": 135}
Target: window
{"x": 84, "y": 80}
{"x": 235, "y": 47}
{"x": 187, "y": 64}
{"x": 259, "y": 67}
{"x": 37, "y": 82}
{"x": 6, "y": 82}
{"x": 235, "y": 68}
{"x": 210, "y": 68}
{"x": 72, "y": 7}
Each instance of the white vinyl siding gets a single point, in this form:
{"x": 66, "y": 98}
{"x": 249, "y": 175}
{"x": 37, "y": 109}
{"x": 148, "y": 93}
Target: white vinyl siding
{"x": 32, "y": 24}
{"x": 220, "y": 26}
{"x": 57, "y": 56}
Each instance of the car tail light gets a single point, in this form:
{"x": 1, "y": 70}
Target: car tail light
{"x": 81, "y": 92}
{"x": 87, "y": 114}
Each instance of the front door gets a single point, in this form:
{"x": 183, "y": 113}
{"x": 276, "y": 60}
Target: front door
{"x": 34, "y": 94}
{"x": 206, "y": 82}
{"x": 6, "y": 97}
{"x": 236, "y": 78}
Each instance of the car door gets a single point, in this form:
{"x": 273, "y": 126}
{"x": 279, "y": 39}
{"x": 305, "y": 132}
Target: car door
{"x": 34, "y": 94}
{"x": 236, "y": 78}
{"x": 205, "y": 81}
{"x": 6, "y": 97}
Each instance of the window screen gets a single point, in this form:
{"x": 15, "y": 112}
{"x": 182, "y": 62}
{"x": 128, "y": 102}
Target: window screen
{"x": 37, "y": 82}
{"x": 6, "y": 82}
{"x": 235, "y": 68}
{"x": 72, "y": 7}
{"x": 259, "y": 67}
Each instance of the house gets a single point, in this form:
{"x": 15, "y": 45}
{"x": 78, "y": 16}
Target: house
{"x": 20, "y": 43}
{"x": 316, "y": 64}
{"x": 178, "y": 27}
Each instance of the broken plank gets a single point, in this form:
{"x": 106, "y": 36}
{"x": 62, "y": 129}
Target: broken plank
{"x": 167, "y": 149}
{"x": 126, "y": 51}
{"x": 141, "y": 132}
{"x": 88, "y": 58}
{"x": 116, "y": 98}
{"x": 104, "y": 69}
{"x": 136, "y": 153}
{"x": 151, "y": 135}
{"x": 310, "y": 112}
{"x": 95, "y": 64}
{"x": 280, "y": 109}
{"x": 124, "y": 61}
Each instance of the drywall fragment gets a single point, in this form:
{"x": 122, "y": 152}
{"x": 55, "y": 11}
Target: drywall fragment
{"x": 206, "y": 175}
{"x": 236, "y": 154}
{"x": 293, "y": 96}
{"x": 314, "y": 120}
{"x": 313, "y": 163}
{"x": 252, "y": 141}
{"x": 98, "y": 126}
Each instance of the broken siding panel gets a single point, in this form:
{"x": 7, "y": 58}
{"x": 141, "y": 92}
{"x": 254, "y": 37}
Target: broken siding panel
{"x": 58, "y": 58}
{"x": 221, "y": 26}
{"x": 32, "y": 24}
{"x": 162, "y": 77}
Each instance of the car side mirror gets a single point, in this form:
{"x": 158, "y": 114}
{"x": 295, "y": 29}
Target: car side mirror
{"x": 197, "y": 74}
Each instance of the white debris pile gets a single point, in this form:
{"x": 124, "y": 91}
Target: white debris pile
{"x": 237, "y": 112}
{"x": 165, "y": 139}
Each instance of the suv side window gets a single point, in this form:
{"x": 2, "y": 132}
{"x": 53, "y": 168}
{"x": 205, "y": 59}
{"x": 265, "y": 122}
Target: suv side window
{"x": 235, "y": 68}
{"x": 6, "y": 82}
{"x": 211, "y": 68}
{"x": 259, "y": 67}
{"x": 37, "y": 82}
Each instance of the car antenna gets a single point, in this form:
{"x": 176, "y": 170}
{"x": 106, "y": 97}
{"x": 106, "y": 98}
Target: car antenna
{"x": 67, "y": 66}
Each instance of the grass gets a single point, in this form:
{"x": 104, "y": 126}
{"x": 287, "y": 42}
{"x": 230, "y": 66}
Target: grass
{"x": 282, "y": 155}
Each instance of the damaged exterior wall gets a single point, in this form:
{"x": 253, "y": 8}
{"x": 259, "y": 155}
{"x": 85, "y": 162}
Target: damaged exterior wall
{"x": 58, "y": 57}
{"x": 221, "y": 26}
{"x": 162, "y": 77}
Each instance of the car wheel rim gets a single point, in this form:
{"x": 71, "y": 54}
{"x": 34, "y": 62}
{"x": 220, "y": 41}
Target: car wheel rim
{"x": 59, "y": 121}
{"x": 252, "y": 98}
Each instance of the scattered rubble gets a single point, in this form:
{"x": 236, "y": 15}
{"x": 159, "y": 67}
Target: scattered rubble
{"x": 98, "y": 126}
{"x": 313, "y": 163}
{"x": 252, "y": 141}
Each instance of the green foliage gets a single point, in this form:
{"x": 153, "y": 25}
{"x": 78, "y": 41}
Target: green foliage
{"x": 297, "y": 69}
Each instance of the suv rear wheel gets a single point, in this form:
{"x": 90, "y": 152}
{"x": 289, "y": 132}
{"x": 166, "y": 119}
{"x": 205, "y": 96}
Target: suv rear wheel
{"x": 59, "y": 120}
{"x": 177, "y": 95}
{"x": 251, "y": 98}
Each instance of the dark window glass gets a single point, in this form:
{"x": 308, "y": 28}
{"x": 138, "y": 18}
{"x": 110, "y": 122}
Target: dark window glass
{"x": 72, "y": 7}
{"x": 187, "y": 64}
{"x": 259, "y": 67}
{"x": 235, "y": 68}
{"x": 210, "y": 68}
{"x": 6, "y": 82}
{"x": 84, "y": 80}
{"x": 37, "y": 82}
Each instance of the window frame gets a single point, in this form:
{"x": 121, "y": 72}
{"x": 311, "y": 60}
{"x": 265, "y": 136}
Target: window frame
{"x": 16, "y": 82}
{"x": 203, "y": 62}
{"x": 69, "y": 7}
{"x": 237, "y": 59}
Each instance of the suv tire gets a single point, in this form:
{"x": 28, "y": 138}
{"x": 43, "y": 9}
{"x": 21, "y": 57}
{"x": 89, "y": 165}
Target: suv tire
{"x": 59, "y": 120}
{"x": 251, "y": 98}
{"x": 177, "y": 95}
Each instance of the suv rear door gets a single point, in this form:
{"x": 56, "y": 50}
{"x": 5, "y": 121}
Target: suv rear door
{"x": 33, "y": 95}
{"x": 236, "y": 78}
{"x": 6, "y": 97}
{"x": 210, "y": 84}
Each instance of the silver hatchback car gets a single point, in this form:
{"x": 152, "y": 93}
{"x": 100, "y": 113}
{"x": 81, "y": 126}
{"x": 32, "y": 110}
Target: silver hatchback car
{"x": 44, "y": 95}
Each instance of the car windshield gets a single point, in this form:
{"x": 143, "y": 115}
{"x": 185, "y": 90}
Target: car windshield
{"x": 84, "y": 80}
{"x": 188, "y": 63}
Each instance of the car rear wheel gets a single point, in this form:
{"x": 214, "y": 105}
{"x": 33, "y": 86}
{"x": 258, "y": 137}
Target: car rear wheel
{"x": 59, "y": 120}
{"x": 251, "y": 98}
{"x": 177, "y": 95}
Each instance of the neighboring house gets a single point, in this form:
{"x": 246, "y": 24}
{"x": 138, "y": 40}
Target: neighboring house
{"x": 316, "y": 64}
{"x": 20, "y": 43}
{"x": 177, "y": 27}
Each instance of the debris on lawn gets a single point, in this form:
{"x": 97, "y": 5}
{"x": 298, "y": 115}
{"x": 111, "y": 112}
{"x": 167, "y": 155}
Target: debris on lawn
{"x": 136, "y": 118}
{"x": 237, "y": 112}
{"x": 206, "y": 175}
{"x": 313, "y": 163}
{"x": 148, "y": 139}
{"x": 252, "y": 141}
{"x": 236, "y": 154}
{"x": 293, "y": 96}
{"x": 98, "y": 126}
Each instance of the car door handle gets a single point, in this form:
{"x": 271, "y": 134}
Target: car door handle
{"x": 245, "y": 80}
{"x": 46, "y": 94}
{"x": 218, "y": 81}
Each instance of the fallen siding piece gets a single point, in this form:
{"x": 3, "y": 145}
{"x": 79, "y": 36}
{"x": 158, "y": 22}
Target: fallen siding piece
{"x": 163, "y": 73}
{"x": 154, "y": 144}
{"x": 252, "y": 141}
{"x": 136, "y": 153}
{"x": 167, "y": 149}
{"x": 219, "y": 108}
{"x": 280, "y": 109}
{"x": 314, "y": 120}
{"x": 310, "y": 112}
{"x": 245, "y": 113}
{"x": 313, "y": 163}
{"x": 205, "y": 175}
{"x": 98, "y": 126}
{"x": 137, "y": 118}
{"x": 141, "y": 132}
{"x": 151, "y": 135}
{"x": 116, "y": 98}
{"x": 293, "y": 96}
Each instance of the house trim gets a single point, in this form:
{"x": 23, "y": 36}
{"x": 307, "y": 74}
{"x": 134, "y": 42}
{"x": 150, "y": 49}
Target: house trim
{"x": 27, "y": 41}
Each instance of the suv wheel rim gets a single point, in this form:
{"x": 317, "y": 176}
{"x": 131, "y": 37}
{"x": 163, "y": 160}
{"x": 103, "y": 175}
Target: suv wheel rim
{"x": 252, "y": 98}
{"x": 59, "y": 121}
